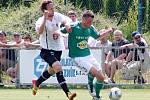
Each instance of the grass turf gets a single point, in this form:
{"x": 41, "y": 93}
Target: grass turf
{"x": 57, "y": 94}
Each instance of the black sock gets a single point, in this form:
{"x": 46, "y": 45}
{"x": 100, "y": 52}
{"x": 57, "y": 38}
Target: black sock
{"x": 62, "y": 82}
{"x": 45, "y": 75}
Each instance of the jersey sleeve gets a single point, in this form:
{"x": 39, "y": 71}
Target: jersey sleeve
{"x": 94, "y": 32}
{"x": 38, "y": 24}
{"x": 62, "y": 18}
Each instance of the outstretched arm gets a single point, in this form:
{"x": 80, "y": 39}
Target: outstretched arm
{"x": 105, "y": 33}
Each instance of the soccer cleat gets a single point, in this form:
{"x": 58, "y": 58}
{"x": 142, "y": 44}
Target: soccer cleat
{"x": 96, "y": 98}
{"x": 108, "y": 81}
{"x": 71, "y": 96}
{"x": 34, "y": 88}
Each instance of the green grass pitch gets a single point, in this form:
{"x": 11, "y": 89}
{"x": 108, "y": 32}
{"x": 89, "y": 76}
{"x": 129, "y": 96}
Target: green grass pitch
{"x": 57, "y": 94}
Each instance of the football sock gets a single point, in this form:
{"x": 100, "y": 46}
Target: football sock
{"x": 98, "y": 86}
{"x": 90, "y": 82}
{"x": 61, "y": 80}
{"x": 45, "y": 75}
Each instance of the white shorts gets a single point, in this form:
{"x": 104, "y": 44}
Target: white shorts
{"x": 85, "y": 63}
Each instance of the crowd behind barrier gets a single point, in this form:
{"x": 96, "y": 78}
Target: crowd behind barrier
{"x": 130, "y": 74}
{"x": 124, "y": 62}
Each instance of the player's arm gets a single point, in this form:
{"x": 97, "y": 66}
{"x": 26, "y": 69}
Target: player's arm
{"x": 98, "y": 35}
{"x": 40, "y": 25}
{"x": 65, "y": 21}
{"x": 105, "y": 33}
{"x": 62, "y": 31}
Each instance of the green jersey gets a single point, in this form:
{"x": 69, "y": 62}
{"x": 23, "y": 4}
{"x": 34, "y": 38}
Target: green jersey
{"x": 78, "y": 40}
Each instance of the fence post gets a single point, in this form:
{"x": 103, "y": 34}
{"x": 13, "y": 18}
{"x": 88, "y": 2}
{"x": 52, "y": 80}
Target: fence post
{"x": 139, "y": 16}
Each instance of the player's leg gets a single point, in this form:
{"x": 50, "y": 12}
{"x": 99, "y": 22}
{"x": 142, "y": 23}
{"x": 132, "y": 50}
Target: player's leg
{"x": 59, "y": 74}
{"x": 90, "y": 85}
{"x": 46, "y": 74}
{"x": 98, "y": 87}
{"x": 86, "y": 65}
{"x": 98, "y": 84}
{"x": 36, "y": 83}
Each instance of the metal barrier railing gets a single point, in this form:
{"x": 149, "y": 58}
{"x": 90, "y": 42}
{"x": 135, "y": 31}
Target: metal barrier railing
{"x": 9, "y": 68}
{"x": 8, "y": 65}
{"x": 135, "y": 71}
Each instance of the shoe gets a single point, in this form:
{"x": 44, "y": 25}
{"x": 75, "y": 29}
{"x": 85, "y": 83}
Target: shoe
{"x": 71, "y": 96}
{"x": 97, "y": 98}
{"x": 1, "y": 84}
{"x": 13, "y": 80}
{"x": 141, "y": 80}
{"x": 34, "y": 87}
{"x": 108, "y": 81}
{"x": 92, "y": 91}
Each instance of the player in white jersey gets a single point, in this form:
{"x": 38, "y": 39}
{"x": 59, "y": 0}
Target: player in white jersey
{"x": 52, "y": 46}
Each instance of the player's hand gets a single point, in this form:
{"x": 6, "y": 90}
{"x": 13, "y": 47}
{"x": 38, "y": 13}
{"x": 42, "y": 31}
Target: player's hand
{"x": 68, "y": 28}
{"x": 110, "y": 30}
{"x": 45, "y": 14}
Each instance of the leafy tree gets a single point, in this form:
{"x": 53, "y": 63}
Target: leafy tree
{"x": 110, "y": 7}
{"x": 131, "y": 24}
{"x": 95, "y": 5}
{"x": 148, "y": 13}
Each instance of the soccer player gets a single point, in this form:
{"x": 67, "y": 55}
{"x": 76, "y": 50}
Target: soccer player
{"x": 52, "y": 46}
{"x": 80, "y": 52}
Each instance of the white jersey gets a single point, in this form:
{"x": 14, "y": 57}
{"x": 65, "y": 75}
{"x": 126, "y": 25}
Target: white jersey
{"x": 46, "y": 38}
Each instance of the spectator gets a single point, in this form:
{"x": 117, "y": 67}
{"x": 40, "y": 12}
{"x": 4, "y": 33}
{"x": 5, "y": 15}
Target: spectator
{"x": 17, "y": 40}
{"x": 2, "y": 41}
{"x": 72, "y": 15}
{"x": 8, "y": 56}
{"x": 28, "y": 42}
{"x": 116, "y": 57}
{"x": 102, "y": 42}
{"x": 136, "y": 55}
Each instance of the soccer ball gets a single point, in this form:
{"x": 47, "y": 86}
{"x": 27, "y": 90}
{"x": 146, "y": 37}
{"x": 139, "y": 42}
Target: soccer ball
{"x": 115, "y": 93}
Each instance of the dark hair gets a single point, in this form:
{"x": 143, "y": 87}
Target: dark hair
{"x": 88, "y": 13}
{"x": 27, "y": 36}
{"x": 71, "y": 12}
{"x": 2, "y": 32}
{"x": 44, "y": 4}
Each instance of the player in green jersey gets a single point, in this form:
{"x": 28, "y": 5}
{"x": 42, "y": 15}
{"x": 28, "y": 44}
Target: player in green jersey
{"x": 80, "y": 52}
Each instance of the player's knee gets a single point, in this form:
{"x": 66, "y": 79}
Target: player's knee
{"x": 51, "y": 70}
{"x": 100, "y": 77}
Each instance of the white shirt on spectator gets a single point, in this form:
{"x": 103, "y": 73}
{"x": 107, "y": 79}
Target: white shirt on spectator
{"x": 97, "y": 43}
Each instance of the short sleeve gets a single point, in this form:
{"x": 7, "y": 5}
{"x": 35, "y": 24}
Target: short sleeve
{"x": 94, "y": 32}
{"x": 38, "y": 23}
